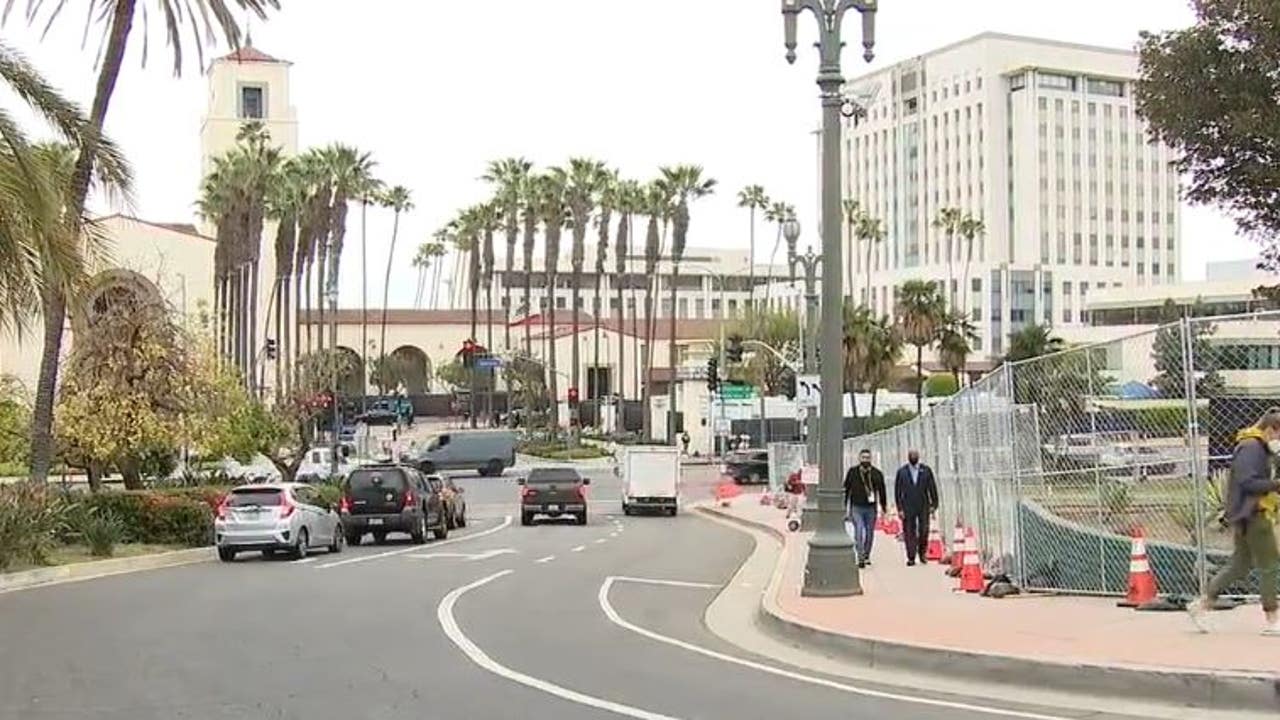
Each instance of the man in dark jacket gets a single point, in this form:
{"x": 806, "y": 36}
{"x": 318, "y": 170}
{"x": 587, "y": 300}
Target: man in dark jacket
{"x": 1251, "y": 507}
{"x": 916, "y": 494}
{"x": 863, "y": 490}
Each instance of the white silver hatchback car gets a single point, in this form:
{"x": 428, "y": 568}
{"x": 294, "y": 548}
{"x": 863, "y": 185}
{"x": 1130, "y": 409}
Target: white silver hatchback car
{"x": 275, "y": 517}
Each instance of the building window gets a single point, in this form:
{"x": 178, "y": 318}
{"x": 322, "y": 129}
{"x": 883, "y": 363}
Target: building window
{"x": 699, "y": 308}
{"x": 684, "y": 308}
{"x": 1055, "y": 81}
{"x": 1105, "y": 87}
{"x": 1017, "y": 82}
{"x": 560, "y": 303}
{"x": 253, "y": 102}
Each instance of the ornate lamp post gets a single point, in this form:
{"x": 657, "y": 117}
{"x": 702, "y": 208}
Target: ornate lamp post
{"x": 831, "y": 568}
{"x": 809, "y": 262}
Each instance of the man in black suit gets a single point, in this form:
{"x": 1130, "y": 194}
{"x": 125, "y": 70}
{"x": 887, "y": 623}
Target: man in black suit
{"x": 916, "y": 494}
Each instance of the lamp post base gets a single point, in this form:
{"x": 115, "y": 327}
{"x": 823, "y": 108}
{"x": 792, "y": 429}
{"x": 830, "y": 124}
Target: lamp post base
{"x": 830, "y": 571}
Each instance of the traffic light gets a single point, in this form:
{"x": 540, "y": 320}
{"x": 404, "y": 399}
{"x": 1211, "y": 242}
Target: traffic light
{"x": 468, "y": 353}
{"x": 270, "y": 349}
{"x": 789, "y": 383}
{"x": 573, "y": 396}
{"x": 733, "y": 351}
{"x": 713, "y": 373}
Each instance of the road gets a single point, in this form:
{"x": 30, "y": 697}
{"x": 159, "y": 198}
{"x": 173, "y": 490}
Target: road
{"x": 500, "y": 621}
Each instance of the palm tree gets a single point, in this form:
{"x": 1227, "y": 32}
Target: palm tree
{"x": 870, "y": 231}
{"x": 351, "y": 173}
{"x": 970, "y": 228}
{"x": 488, "y": 219}
{"x": 752, "y": 198}
{"x": 550, "y": 199}
{"x": 655, "y": 206}
{"x": 608, "y": 202}
{"x": 1033, "y": 341}
{"x": 778, "y": 213}
{"x": 582, "y": 180}
{"x": 422, "y": 260}
{"x": 437, "y": 250}
{"x": 529, "y": 218}
{"x": 857, "y": 325}
{"x": 286, "y": 198}
{"x": 629, "y": 197}
{"x": 884, "y": 350}
{"x": 399, "y": 200}
{"x": 948, "y": 221}
{"x": 955, "y": 340}
{"x": 920, "y": 311}
{"x": 370, "y": 190}
{"x": 688, "y": 183}
{"x": 118, "y": 16}
{"x": 509, "y": 176}
{"x": 313, "y": 233}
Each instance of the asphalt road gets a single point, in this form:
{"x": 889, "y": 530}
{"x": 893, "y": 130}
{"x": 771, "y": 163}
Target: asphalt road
{"x": 500, "y": 621}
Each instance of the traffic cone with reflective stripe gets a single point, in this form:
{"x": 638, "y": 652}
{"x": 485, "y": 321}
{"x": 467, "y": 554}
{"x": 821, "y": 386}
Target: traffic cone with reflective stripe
{"x": 1142, "y": 582}
{"x": 970, "y": 569}
{"x": 934, "y": 550}
{"x": 893, "y": 526}
{"x": 956, "y": 558}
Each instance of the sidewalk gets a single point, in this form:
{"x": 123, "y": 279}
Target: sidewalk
{"x": 911, "y": 616}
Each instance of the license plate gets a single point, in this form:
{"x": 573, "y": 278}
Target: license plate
{"x": 375, "y": 521}
{"x": 553, "y": 508}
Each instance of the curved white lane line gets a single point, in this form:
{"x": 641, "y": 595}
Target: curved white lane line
{"x": 444, "y": 613}
{"x": 417, "y": 548}
{"x": 616, "y": 619}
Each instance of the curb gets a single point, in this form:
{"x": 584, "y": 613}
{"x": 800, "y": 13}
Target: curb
{"x": 75, "y": 572}
{"x": 1209, "y": 690}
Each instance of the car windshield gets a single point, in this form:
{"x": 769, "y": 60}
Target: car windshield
{"x": 389, "y": 479}
{"x": 256, "y": 496}
{"x": 553, "y": 475}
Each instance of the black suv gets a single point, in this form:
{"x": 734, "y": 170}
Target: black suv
{"x": 380, "y": 499}
{"x": 747, "y": 466}
{"x": 554, "y": 492}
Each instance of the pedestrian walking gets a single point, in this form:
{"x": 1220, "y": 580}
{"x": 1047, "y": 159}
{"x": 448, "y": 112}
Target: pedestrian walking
{"x": 684, "y": 440}
{"x": 1252, "y": 501}
{"x": 863, "y": 490}
{"x": 915, "y": 492}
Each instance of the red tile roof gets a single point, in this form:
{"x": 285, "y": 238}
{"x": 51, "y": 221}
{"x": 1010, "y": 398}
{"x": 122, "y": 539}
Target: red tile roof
{"x": 250, "y": 54}
{"x": 183, "y": 228}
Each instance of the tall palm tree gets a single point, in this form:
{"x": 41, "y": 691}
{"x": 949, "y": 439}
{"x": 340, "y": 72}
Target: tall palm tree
{"x": 884, "y": 350}
{"x": 529, "y": 219}
{"x": 858, "y": 322}
{"x": 370, "y": 190}
{"x": 868, "y": 230}
{"x": 488, "y": 219}
{"x": 117, "y": 17}
{"x": 508, "y": 176}
{"x": 286, "y": 198}
{"x": 436, "y": 251}
{"x": 550, "y": 194}
{"x": 753, "y": 198}
{"x": 351, "y": 172}
{"x": 655, "y": 207}
{"x": 688, "y": 183}
{"x": 582, "y": 181}
{"x": 970, "y": 228}
{"x": 423, "y": 261}
{"x": 400, "y": 201}
{"x": 313, "y": 233}
{"x": 920, "y": 311}
{"x": 1031, "y": 341}
{"x": 948, "y": 221}
{"x": 608, "y": 202}
{"x": 628, "y": 201}
{"x": 778, "y": 213}
{"x": 955, "y": 341}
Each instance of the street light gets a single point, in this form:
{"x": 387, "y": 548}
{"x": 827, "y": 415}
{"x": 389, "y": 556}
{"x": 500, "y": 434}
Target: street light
{"x": 808, "y": 261}
{"x": 831, "y": 568}
{"x": 331, "y": 294}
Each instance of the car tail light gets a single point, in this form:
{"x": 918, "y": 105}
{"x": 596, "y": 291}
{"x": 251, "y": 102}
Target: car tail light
{"x": 526, "y": 491}
{"x": 581, "y": 490}
{"x": 344, "y": 504}
{"x": 286, "y": 506}
{"x": 409, "y": 499}
{"x": 221, "y": 510}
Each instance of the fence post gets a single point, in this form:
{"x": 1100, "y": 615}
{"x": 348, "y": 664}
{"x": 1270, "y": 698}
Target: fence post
{"x": 1018, "y": 553}
{"x": 1193, "y": 453}
{"x": 1097, "y": 466}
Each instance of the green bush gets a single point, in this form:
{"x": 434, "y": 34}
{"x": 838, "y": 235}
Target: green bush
{"x": 330, "y": 493}
{"x": 1116, "y": 497}
{"x": 941, "y": 385}
{"x": 561, "y": 451}
{"x": 31, "y": 519}
{"x": 101, "y": 532}
{"x": 156, "y": 518}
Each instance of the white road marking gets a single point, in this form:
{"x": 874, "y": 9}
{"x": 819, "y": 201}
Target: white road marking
{"x": 444, "y": 613}
{"x": 546, "y": 559}
{"x": 601, "y": 540}
{"x": 580, "y": 548}
{"x": 465, "y": 556}
{"x": 305, "y": 560}
{"x": 603, "y": 597}
{"x": 417, "y": 548}
{"x": 613, "y": 534}
{"x": 670, "y": 583}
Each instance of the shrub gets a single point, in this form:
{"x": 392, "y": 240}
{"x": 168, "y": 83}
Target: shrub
{"x": 31, "y": 518}
{"x": 101, "y": 532}
{"x": 329, "y": 493}
{"x": 941, "y": 385}
{"x": 1116, "y": 497}
{"x": 156, "y": 517}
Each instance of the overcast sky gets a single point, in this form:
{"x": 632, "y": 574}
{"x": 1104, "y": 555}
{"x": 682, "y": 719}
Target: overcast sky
{"x": 435, "y": 88}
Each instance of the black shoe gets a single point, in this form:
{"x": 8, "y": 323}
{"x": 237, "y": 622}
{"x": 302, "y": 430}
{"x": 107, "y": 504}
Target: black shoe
{"x": 911, "y": 562}
{"x": 923, "y": 561}
{"x": 862, "y": 563}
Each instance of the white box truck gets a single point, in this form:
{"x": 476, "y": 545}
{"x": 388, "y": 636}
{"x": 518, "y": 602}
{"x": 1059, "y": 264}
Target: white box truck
{"x": 650, "y": 479}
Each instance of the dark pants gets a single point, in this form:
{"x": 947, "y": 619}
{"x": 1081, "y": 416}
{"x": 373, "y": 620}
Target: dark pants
{"x": 915, "y": 533}
{"x": 1254, "y": 544}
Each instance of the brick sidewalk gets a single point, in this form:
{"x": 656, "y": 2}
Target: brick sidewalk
{"x": 917, "y": 606}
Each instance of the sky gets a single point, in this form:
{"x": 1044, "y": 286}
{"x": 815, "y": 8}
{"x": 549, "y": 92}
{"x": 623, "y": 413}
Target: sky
{"x": 434, "y": 89}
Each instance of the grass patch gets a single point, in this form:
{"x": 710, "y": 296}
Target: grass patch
{"x": 562, "y": 451}
{"x": 77, "y": 553}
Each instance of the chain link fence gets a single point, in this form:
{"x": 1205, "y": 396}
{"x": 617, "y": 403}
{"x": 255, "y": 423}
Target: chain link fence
{"x": 1057, "y": 461}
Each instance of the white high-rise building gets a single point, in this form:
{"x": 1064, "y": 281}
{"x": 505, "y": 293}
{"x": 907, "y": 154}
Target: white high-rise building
{"x": 1039, "y": 139}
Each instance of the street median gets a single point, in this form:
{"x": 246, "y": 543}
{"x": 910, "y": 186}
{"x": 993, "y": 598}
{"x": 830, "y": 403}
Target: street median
{"x": 25, "y": 579}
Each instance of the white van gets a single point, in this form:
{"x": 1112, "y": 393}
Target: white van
{"x": 650, "y": 478}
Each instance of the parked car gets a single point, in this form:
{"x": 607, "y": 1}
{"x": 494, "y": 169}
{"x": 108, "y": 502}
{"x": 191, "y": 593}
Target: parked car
{"x": 318, "y": 462}
{"x": 554, "y": 492}
{"x": 747, "y": 466}
{"x": 455, "y": 505}
{"x": 487, "y": 451}
{"x": 275, "y": 516}
{"x": 387, "y": 498}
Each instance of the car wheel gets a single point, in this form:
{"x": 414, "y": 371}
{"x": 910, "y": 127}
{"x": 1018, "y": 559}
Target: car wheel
{"x": 526, "y": 518}
{"x": 626, "y": 510}
{"x": 462, "y": 519}
{"x": 226, "y": 554}
{"x": 673, "y": 510}
{"x": 582, "y": 518}
{"x": 303, "y": 544}
{"x": 427, "y": 468}
{"x": 419, "y": 531}
{"x": 338, "y": 540}
{"x": 380, "y": 537}
{"x": 441, "y": 531}
{"x": 268, "y": 554}
{"x": 493, "y": 469}
{"x": 354, "y": 538}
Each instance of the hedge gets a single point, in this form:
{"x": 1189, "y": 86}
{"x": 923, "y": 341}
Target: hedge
{"x": 159, "y": 518}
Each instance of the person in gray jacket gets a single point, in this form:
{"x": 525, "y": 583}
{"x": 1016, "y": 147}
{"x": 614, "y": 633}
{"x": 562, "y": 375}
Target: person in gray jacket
{"x": 1251, "y": 506}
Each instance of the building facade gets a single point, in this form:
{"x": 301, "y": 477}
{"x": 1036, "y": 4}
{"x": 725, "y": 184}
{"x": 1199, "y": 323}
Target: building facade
{"x": 1039, "y": 139}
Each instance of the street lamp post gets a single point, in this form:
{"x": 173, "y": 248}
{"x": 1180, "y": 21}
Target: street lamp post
{"x": 810, "y": 262}
{"x": 831, "y": 568}
{"x": 331, "y": 294}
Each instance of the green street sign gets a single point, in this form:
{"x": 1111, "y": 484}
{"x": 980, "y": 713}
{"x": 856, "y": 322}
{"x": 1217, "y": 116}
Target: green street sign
{"x": 737, "y": 392}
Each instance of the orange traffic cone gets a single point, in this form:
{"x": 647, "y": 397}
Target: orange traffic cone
{"x": 957, "y": 549}
{"x": 893, "y": 526}
{"x": 934, "y": 550}
{"x": 970, "y": 570}
{"x": 1142, "y": 582}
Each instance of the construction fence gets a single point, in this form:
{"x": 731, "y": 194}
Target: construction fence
{"x": 1056, "y": 461}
